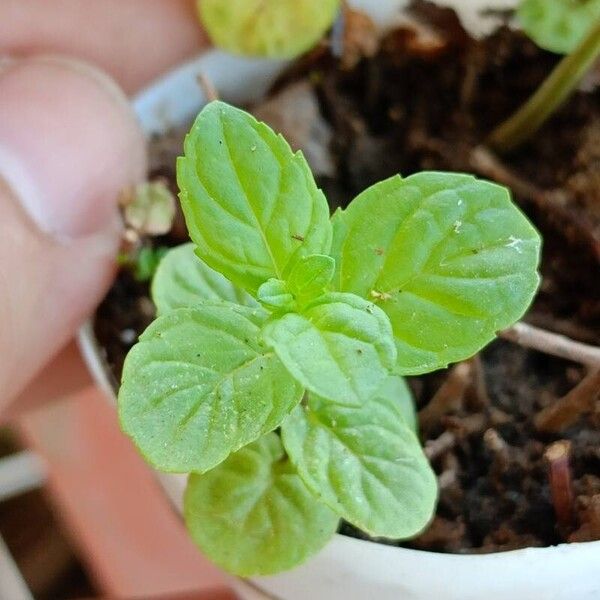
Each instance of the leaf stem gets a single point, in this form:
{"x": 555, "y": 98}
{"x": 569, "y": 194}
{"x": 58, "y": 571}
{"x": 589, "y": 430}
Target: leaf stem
{"x": 555, "y": 89}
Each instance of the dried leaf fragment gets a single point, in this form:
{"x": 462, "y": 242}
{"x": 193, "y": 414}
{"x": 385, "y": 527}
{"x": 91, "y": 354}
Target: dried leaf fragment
{"x": 149, "y": 209}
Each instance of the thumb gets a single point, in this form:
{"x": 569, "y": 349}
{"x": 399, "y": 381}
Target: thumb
{"x": 69, "y": 144}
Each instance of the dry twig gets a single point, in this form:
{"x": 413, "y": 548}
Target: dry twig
{"x": 207, "y": 87}
{"x": 566, "y": 327}
{"x": 552, "y": 343}
{"x": 447, "y": 479}
{"x": 479, "y": 386}
{"x": 437, "y": 447}
{"x": 495, "y": 443}
{"x": 487, "y": 163}
{"x": 467, "y": 425}
{"x": 449, "y": 397}
{"x": 570, "y": 408}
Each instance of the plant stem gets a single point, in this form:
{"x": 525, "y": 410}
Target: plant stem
{"x": 555, "y": 89}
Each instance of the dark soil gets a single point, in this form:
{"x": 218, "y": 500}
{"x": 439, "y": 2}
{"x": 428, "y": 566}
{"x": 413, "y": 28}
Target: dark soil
{"x": 429, "y": 104}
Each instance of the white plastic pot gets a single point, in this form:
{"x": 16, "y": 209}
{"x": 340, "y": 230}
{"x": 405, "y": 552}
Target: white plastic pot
{"x": 351, "y": 569}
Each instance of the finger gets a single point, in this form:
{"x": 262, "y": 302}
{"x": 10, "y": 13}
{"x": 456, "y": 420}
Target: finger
{"x": 64, "y": 376}
{"x": 133, "y": 40}
{"x": 69, "y": 144}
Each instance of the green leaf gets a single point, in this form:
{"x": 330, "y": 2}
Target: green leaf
{"x": 341, "y": 347}
{"x": 558, "y": 25}
{"x": 277, "y": 28}
{"x": 311, "y": 275}
{"x": 182, "y": 280}
{"x": 253, "y": 515}
{"x": 365, "y": 463}
{"x": 449, "y": 258}
{"x": 199, "y": 385}
{"x": 394, "y": 389}
{"x": 251, "y": 205}
{"x": 274, "y": 295}
{"x": 147, "y": 262}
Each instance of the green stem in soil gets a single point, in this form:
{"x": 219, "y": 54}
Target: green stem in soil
{"x": 555, "y": 89}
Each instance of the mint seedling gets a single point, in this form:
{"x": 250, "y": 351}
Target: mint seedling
{"x": 558, "y": 25}
{"x": 273, "y": 372}
{"x": 275, "y": 28}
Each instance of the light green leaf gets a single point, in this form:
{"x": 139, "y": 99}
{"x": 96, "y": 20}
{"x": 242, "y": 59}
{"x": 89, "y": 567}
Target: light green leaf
{"x": 394, "y": 389}
{"x": 277, "y": 28}
{"x": 558, "y": 25}
{"x": 311, "y": 275}
{"x": 365, "y": 463}
{"x": 341, "y": 347}
{"x": 182, "y": 280}
{"x": 253, "y": 515}
{"x": 251, "y": 206}
{"x": 449, "y": 258}
{"x": 274, "y": 295}
{"x": 199, "y": 385}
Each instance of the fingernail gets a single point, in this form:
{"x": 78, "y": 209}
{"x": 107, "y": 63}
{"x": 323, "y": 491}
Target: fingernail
{"x": 69, "y": 144}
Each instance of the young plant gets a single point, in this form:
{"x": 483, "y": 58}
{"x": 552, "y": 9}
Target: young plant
{"x": 275, "y": 28}
{"x": 560, "y": 26}
{"x": 273, "y": 373}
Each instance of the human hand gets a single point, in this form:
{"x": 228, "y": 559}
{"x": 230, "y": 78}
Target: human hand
{"x": 69, "y": 144}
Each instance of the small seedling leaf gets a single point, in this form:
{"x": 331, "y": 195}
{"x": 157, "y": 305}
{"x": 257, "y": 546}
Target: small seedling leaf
{"x": 311, "y": 275}
{"x": 275, "y": 295}
{"x": 251, "y": 205}
{"x": 253, "y": 514}
{"x": 365, "y": 463}
{"x": 276, "y": 28}
{"x": 558, "y": 25}
{"x": 182, "y": 280}
{"x": 341, "y": 347}
{"x": 199, "y": 385}
{"x": 449, "y": 258}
